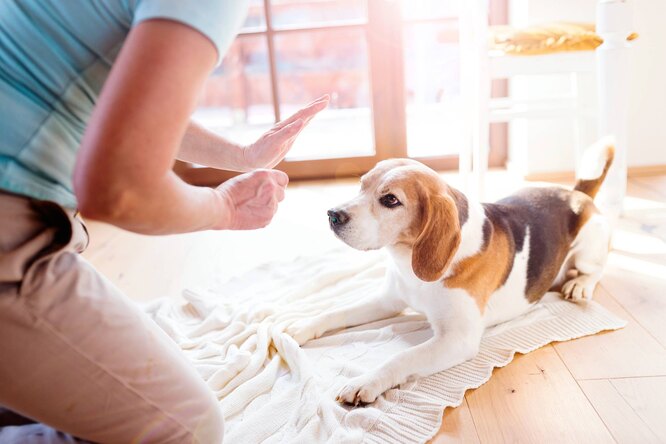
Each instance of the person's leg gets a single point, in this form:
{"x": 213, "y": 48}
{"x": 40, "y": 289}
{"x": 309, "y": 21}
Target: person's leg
{"x": 80, "y": 357}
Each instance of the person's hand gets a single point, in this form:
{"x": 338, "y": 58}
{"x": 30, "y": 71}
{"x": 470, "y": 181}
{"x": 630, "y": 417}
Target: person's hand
{"x": 251, "y": 199}
{"x": 274, "y": 145}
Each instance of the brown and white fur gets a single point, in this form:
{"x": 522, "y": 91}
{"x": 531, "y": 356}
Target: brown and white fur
{"x": 465, "y": 265}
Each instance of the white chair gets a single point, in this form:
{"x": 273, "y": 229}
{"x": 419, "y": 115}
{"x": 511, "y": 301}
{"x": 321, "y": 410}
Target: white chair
{"x": 479, "y": 67}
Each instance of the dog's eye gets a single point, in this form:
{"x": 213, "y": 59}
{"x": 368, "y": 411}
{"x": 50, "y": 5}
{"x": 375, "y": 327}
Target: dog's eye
{"x": 389, "y": 201}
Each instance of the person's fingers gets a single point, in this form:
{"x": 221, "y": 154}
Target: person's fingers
{"x": 284, "y": 136}
{"x": 281, "y": 178}
{"x": 257, "y": 197}
{"x": 305, "y": 121}
{"x": 264, "y": 194}
{"x": 287, "y": 144}
{"x": 266, "y": 210}
{"x": 317, "y": 104}
{"x": 286, "y": 132}
{"x": 279, "y": 143}
{"x": 280, "y": 194}
{"x": 309, "y": 110}
{"x": 323, "y": 98}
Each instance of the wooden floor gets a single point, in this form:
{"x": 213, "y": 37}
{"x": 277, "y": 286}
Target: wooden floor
{"x": 606, "y": 388}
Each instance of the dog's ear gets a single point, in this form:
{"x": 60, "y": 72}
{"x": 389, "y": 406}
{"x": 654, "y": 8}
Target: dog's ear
{"x": 439, "y": 238}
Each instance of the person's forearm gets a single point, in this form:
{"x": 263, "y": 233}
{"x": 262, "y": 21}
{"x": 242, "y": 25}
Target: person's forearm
{"x": 166, "y": 206}
{"x": 204, "y": 147}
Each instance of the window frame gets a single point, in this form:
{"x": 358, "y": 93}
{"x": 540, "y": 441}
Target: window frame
{"x": 388, "y": 98}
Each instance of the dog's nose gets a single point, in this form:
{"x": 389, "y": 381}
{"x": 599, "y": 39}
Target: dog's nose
{"x": 337, "y": 218}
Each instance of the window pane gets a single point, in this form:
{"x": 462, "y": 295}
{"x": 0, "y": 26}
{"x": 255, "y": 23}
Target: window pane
{"x": 237, "y": 99}
{"x": 316, "y": 12}
{"x": 429, "y": 9}
{"x": 331, "y": 62}
{"x": 432, "y": 81}
{"x": 256, "y": 17}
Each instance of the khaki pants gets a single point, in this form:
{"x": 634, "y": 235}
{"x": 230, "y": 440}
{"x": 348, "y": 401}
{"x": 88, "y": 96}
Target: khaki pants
{"x": 76, "y": 354}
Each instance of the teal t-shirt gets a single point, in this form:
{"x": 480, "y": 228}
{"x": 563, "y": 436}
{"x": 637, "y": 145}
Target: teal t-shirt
{"x": 54, "y": 58}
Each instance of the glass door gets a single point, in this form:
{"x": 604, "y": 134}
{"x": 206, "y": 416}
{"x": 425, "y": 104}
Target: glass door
{"x": 390, "y": 67}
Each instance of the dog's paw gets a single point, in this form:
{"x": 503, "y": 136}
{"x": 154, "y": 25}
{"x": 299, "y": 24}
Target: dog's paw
{"x": 364, "y": 389}
{"x": 579, "y": 288}
{"x": 304, "y": 330}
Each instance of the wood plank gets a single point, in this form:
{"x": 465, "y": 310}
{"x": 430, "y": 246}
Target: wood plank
{"x": 627, "y": 352}
{"x": 624, "y": 423}
{"x": 535, "y": 399}
{"x": 647, "y": 397}
{"x": 636, "y": 270}
{"x": 640, "y": 291}
{"x": 457, "y": 427}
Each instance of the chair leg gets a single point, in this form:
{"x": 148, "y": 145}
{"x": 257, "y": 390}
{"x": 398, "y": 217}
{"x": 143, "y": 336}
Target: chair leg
{"x": 613, "y": 76}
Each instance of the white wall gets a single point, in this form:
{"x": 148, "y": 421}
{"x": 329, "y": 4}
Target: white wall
{"x": 539, "y": 146}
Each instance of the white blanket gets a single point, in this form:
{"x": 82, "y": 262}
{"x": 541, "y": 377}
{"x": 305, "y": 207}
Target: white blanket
{"x": 271, "y": 390}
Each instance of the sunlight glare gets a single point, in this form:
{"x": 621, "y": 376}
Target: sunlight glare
{"x": 636, "y": 203}
{"x": 637, "y": 243}
{"x": 637, "y": 266}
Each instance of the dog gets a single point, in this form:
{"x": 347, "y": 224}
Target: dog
{"x": 463, "y": 264}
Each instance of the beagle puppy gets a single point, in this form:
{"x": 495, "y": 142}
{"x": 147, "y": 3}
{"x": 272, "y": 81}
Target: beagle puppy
{"x": 465, "y": 265}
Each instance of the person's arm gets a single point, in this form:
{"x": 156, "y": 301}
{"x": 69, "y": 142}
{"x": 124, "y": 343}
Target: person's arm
{"x": 210, "y": 149}
{"x": 207, "y": 148}
{"x": 123, "y": 171}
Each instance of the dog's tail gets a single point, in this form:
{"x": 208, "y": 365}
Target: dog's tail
{"x": 598, "y": 156}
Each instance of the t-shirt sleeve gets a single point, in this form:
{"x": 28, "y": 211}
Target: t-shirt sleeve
{"x": 219, "y": 20}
